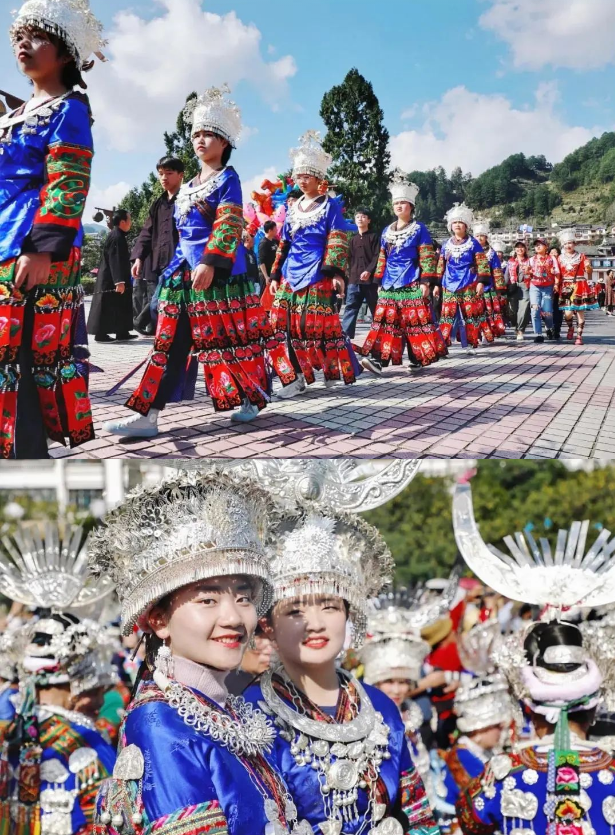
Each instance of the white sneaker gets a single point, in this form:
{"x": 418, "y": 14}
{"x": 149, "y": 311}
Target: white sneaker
{"x": 136, "y": 426}
{"x": 519, "y": 336}
{"x": 246, "y": 412}
{"x": 329, "y": 384}
{"x": 470, "y": 352}
{"x": 298, "y": 387}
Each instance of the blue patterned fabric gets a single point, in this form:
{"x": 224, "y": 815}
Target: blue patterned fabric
{"x": 471, "y": 764}
{"x": 195, "y": 227}
{"x": 303, "y": 781}
{"x": 185, "y": 768}
{"x": 308, "y": 245}
{"x": 23, "y": 175}
{"x": 495, "y": 264}
{"x": 460, "y": 269}
{"x": 402, "y": 263}
{"x": 7, "y": 708}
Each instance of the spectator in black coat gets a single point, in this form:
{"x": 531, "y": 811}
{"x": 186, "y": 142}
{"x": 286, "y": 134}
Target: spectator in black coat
{"x": 111, "y": 310}
{"x": 156, "y": 244}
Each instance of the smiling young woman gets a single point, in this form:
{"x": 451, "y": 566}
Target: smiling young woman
{"x": 45, "y": 158}
{"x": 340, "y": 746}
{"x": 189, "y": 561}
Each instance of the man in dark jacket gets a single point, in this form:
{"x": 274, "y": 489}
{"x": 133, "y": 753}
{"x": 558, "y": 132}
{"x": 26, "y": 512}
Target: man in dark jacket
{"x": 156, "y": 243}
{"x": 362, "y": 286}
{"x": 111, "y": 310}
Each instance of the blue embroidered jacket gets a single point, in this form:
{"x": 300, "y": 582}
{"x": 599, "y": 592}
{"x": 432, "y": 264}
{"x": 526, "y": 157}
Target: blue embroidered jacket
{"x": 405, "y": 256}
{"x": 209, "y": 219}
{"x": 44, "y": 177}
{"x": 512, "y": 792}
{"x": 494, "y": 264}
{"x": 313, "y": 245}
{"x": 463, "y": 264}
{"x": 403, "y": 786}
{"x": 191, "y": 784}
{"x": 7, "y": 708}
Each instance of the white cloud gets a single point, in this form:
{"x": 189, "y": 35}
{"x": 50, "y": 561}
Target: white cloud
{"x": 477, "y": 131}
{"x": 105, "y": 198}
{"x": 155, "y": 63}
{"x": 577, "y": 34}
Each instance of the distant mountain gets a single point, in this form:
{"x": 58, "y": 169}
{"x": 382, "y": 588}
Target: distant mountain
{"x": 579, "y": 189}
{"x": 94, "y": 228}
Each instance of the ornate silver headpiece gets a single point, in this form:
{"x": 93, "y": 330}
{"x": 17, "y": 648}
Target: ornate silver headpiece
{"x": 338, "y": 554}
{"x": 344, "y": 483}
{"x": 533, "y": 573}
{"x": 310, "y": 157}
{"x": 566, "y": 235}
{"x": 393, "y": 644}
{"x": 71, "y": 20}
{"x": 459, "y": 212}
{"x": 476, "y": 647}
{"x": 56, "y": 649}
{"x": 96, "y": 668}
{"x": 483, "y": 702}
{"x": 47, "y": 567}
{"x": 8, "y": 656}
{"x": 188, "y": 528}
{"x": 401, "y": 189}
{"x": 213, "y": 112}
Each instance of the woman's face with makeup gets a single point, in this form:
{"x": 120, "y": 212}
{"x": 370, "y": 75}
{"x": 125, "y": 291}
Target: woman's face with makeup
{"x": 209, "y": 622}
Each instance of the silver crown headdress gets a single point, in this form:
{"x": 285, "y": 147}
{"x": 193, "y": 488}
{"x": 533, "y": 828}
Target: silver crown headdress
{"x": 339, "y": 554}
{"x": 9, "y": 655}
{"x": 96, "y": 669}
{"x": 498, "y": 245}
{"x": 47, "y": 567}
{"x": 310, "y": 157}
{"x": 71, "y": 20}
{"x": 56, "y": 648}
{"x": 566, "y": 235}
{"x": 483, "y": 702}
{"x": 401, "y": 189}
{"x": 532, "y": 573}
{"x": 393, "y": 646}
{"x": 481, "y": 227}
{"x": 459, "y": 212}
{"x": 188, "y": 528}
{"x": 213, "y": 112}
{"x": 476, "y": 646}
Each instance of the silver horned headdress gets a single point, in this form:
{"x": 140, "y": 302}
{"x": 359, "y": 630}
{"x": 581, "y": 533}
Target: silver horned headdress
{"x": 310, "y": 157}
{"x": 189, "y": 528}
{"x": 48, "y": 567}
{"x": 326, "y": 553}
{"x": 212, "y": 111}
{"x": 71, "y": 20}
{"x": 393, "y": 647}
{"x": 532, "y": 572}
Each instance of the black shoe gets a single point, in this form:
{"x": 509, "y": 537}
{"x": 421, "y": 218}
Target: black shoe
{"x": 539, "y": 338}
{"x": 550, "y": 334}
{"x": 104, "y": 338}
{"x": 150, "y": 330}
{"x": 125, "y": 337}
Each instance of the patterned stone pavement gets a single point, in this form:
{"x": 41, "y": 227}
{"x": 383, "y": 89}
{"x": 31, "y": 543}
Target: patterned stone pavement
{"x": 511, "y": 400}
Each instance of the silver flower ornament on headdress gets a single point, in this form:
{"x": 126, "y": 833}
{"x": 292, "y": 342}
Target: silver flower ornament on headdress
{"x": 71, "y": 20}
{"x": 188, "y": 528}
{"x": 310, "y": 157}
{"x": 212, "y": 111}
{"x": 459, "y": 212}
{"x": 326, "y": 553}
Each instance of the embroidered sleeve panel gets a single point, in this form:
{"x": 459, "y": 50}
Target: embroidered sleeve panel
{"x": 415, "y": 805}
{"x": 381, "y": 264}
{"x": 280, "y": 257}
{"x": 468, "y": 818}
{"x": 441, "y": 268}
{"x": 427, "y": 261}
{"x": 336, "y": 252}
{"x": 223, "y": 243}
{"x": 483, "y": 270}
{"x": 193, "y": 820}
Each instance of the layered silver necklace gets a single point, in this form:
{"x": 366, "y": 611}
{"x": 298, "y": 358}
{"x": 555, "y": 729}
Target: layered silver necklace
{"x": 346, "y": 756}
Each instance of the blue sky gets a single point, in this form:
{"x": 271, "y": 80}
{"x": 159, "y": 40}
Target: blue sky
{"x": 461, "y": 82}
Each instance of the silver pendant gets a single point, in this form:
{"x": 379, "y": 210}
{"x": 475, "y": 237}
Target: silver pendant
{"x": 271, "y": 810}
{"x": 379, "y": 811}
{"x": 343, "y": 775}
{"x": 331, "y": 827}
{"x": 389, "y": 826}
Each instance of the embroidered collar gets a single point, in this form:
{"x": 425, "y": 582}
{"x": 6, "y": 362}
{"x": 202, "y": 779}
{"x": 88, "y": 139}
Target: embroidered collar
{"x": 299, "y": 220}
{"x": 473, "y": 747}
{"x": 188, "y": 194}
{"x": 455, "y": 251}
{"x": 569, "y": 261}
{"x": 397, "y": 238}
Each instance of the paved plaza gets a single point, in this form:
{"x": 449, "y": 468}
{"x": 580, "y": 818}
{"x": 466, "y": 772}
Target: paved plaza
{"x": 510, "y": 400}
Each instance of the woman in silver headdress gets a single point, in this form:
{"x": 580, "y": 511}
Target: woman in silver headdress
{"x": 46, "y": 152}
{"x": 341, "y": 745}
{"x": 191, "y": 570}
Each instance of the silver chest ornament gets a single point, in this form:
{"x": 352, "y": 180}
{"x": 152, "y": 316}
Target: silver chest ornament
{"x": 343, "y": 767}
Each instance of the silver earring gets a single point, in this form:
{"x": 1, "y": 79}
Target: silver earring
{"x": 164, "y": 661}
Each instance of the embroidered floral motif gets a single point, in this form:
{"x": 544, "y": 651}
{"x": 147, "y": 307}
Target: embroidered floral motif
{"x": 226, "y": 232}
{"x": 68, "y": 174}
{"x": 427, "y": 261}
{"x": 336, "y": 253}
{"x": 415, "y": 804}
